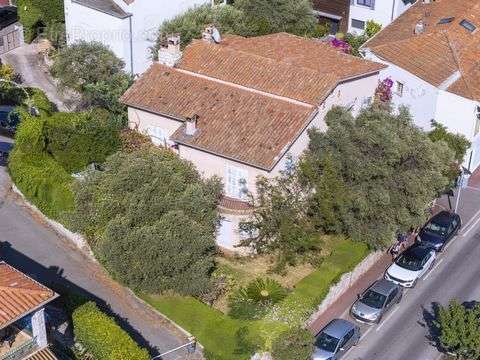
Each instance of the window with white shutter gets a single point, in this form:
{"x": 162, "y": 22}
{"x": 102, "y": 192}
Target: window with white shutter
{"x": 236, "y": 182}
{"x": 158, "y": 135}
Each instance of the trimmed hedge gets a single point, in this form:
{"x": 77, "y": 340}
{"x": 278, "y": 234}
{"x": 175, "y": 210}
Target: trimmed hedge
{"x": 102, "y": 337}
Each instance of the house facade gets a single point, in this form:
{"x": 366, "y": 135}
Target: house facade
{"x": 128, "y": 27}
{"x": 382, "y": 12}
{"x": 433, "y": 57}
{"x": 23, "y": 332}
{"x": 352, "y": 15}
{"x": 241, "y": 108}
{"x": 11, "y": 31}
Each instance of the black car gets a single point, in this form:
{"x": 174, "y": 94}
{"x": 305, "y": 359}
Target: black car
{"x": 440, "y": 229}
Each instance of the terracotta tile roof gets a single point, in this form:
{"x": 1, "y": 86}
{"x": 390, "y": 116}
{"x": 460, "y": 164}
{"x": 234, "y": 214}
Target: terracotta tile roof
{"x": 19, "y": 295}
{"x": 236, "y": 123}
{"x": 257, "y": 72}
{"x": 254, "y": 96}
{"x": 44, "y": 354}
{"x": 229, "y": 204}
{"x": 445, "y": 55}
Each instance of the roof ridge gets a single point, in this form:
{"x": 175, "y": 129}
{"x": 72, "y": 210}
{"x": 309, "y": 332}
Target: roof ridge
{"x": 459, "y": 65}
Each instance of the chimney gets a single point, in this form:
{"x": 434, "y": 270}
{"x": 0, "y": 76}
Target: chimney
{"x": 170, "y": 53}
{"x": 419, "y": 27}
{"x": 211, "y": 35}
{"x": 191, "y": 125}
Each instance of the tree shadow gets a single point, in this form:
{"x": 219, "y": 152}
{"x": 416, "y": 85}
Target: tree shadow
{"x": 53, "y": 278}
{"x": 429, "y": 323}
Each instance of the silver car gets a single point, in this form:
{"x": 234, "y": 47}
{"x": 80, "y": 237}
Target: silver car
{"x": 335, "y": 339}
{"x": 376, "y": 301}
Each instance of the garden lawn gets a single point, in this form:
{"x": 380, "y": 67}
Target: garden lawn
{"x": 225, "y": 338}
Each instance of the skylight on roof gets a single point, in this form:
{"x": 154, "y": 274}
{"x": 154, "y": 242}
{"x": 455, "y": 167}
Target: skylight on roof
{"x": 468, "y": 25}
{"x": 446, "y": 20}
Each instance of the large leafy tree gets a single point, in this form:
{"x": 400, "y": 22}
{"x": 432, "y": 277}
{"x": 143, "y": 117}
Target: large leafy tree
{"x": 459, "y": 329}
{"x": 457, "y": 142}
{"x": 271, "y": 16}
{"x": 388, "y": 170}
{"x": 151, "y": 219}
{"x": 94, "y": 71}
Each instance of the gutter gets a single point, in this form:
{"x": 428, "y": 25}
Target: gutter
{"x": 131, "y": 43}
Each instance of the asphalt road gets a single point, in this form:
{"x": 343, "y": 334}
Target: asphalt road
{"x": 32, "y": 247}
{"x": 406, "y": 333}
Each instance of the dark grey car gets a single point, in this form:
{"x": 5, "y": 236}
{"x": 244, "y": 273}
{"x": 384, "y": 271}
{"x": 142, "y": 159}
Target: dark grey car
{"x": 335, "y": 339}
{"x": 376, "y": 301}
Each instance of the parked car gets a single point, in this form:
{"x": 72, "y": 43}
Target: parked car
{"x": 411, "y": 265}
{"x": 377, "y": 300}
{"x": 9, "y": 120}
{"x": 440, "y": 229}
{"x": 335, "y": 339}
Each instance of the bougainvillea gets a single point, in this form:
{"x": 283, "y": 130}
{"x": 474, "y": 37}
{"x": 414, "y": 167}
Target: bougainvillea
{"x": 384, "y": 90}
{"x": 341, "y": 45}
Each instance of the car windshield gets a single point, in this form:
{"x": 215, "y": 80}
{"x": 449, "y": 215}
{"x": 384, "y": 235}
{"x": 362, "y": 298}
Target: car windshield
{"x": 327, "y": 342}
{"x": 373, "y": 299}
{"x": 410, "y": 262}
{"x": 435, "y": 229}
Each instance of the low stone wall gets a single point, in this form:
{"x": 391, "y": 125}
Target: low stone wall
{"x": 346, "y": 281}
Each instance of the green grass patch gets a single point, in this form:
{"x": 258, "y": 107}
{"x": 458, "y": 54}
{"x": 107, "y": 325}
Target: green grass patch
{"x": 225, "y": 338}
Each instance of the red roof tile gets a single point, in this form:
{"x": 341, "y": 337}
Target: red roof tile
{"x": 442, "y": 52}
{"x": 19, "y": 294}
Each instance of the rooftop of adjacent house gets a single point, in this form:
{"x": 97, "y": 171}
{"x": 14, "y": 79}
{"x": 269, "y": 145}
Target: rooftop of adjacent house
{"x": 106, "y": 6}
{"x": 439, "y": 42}
{"x": 20, "y": 295}
{"x": 253, "y": 96}
{"x": 8, "y": 15}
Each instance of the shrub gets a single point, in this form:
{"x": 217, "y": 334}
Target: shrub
{"x": 253, "y": 301}
{"x": 102, "y": 337}
{"x": 371, "y": 28}
{"x": 35, "y": 14}
{"x": 43, "y": 181}
{"x": 295, "y": 343}
{"x": 151, "y": 219}
{"x": 76, "y": 140}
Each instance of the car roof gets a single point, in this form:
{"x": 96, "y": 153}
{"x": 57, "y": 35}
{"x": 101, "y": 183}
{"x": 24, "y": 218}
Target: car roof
{"x": 443, "y": 218}
{"x": 418, "y": 250}
{"x": 383, "y": 286}
{"x": 337, "y": 328}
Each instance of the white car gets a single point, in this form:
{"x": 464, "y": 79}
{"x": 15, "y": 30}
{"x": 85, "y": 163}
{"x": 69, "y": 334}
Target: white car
{"x": 411, "y": 265}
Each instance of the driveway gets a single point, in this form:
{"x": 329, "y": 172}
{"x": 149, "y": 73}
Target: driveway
{"x": 406, "y": 333}
{"x": 29, "y": 64}
{"x": 32, "y": 247}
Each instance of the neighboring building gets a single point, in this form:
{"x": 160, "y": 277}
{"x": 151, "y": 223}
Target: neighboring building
{"x": 335, "y": 13}
{"x": 433, "y": 56}
{"x": 11, "y": 31}
{"x": 241, "y": 108}
{"x": 382, "y": 12}
{"x": 23, "y": 333}
{"x": 352, "y": 15}
{"x": 128, "y": 27}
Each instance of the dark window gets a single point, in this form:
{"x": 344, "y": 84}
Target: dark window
{"x": 446, "y": 20}
{"x": 369, "y": 3}
{"x": 392, "y": 296}
{"x": 347, "y": 338}
{"x": 358, "y": 24}
{"x": 468, "y": 25}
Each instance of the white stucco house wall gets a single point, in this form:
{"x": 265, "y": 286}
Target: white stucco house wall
{"x": 241, "y": 108}
{"x": 433, "y": 57}
{"x": 128, "y": 27}
{"x": 382, "y": 12}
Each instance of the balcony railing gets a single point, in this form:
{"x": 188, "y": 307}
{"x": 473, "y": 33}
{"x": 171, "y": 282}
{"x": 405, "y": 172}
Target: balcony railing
{"x": 22, "y": 351}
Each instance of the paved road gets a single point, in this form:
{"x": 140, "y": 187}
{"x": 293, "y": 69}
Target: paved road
{"x": 405, "y": 333}
{"x": 32, "y": 247}
{"x": 27, "y": 62}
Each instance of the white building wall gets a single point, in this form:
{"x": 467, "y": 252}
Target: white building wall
{"x": 384, "y": 12}
{"x": 83, "y": 23}
{"x": 419, "y": 96}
